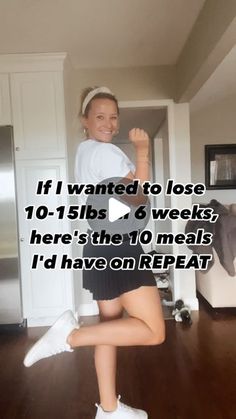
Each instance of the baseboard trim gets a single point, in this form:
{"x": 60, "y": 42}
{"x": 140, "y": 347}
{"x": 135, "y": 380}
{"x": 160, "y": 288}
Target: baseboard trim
{"x": 90, "y": 309}
{"x": 41, "y": 321}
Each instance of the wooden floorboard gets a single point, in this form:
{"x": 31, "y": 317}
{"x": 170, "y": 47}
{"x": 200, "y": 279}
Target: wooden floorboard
{"x": 191, "y": 376}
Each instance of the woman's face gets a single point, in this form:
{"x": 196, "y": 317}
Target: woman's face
{"x": 102, "y": 121}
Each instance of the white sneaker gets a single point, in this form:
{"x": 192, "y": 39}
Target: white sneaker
{"x": 54, "y": 340}
{"x": 122, "y": 412}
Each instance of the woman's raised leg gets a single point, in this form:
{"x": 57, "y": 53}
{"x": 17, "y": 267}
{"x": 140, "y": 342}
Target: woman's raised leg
{"x": 145, "y": 326}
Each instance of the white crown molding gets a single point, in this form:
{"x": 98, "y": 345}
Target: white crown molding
{"x": 17, "y": 63}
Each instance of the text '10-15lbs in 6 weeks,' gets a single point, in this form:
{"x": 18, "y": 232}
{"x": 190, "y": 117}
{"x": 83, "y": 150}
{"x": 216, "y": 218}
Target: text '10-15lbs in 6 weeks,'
{"x": 87, "y": 212}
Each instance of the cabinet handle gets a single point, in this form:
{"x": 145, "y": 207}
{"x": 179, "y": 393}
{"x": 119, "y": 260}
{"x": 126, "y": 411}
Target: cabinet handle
{"x": 22, "y": 239}
{"x": 17, "y": 148}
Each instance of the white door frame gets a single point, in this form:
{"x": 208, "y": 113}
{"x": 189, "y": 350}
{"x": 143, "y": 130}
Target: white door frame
{"x": 183, "y": 281}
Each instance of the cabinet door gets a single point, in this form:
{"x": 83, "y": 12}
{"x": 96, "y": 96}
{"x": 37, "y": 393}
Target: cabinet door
{"x": 5, "y": 108}
{"x": 38, "y": 115}
{"x": 45, "y": 292}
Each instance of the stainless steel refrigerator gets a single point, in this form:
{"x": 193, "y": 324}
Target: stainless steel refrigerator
{"x": 10, "y": 283}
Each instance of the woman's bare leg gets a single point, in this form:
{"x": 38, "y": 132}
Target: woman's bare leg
{"x": 144, "y": 327}
{"x": 105, "y": 357}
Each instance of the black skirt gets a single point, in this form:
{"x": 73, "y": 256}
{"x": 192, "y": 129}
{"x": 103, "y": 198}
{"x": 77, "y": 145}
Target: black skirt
{"x": 109, "y": 283}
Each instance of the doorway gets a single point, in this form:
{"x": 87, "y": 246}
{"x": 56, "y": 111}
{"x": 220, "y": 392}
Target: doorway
{"x": 154, "y": 120}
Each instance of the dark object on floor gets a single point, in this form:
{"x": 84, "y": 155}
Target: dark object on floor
{"x": 182, "y": 313}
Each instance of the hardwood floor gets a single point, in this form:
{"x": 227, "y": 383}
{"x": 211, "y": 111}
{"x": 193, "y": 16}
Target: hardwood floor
{"x": 191, "y": 376}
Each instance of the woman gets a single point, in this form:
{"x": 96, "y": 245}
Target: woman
{"x": 133, "y": 291}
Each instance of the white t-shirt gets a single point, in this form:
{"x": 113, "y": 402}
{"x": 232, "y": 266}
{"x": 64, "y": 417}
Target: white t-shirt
{"x": 96, "y": 161}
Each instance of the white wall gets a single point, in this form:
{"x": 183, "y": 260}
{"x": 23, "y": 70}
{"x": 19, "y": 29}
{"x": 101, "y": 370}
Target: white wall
{"x": 71, "y": 129}
{"x": 180, "y": 171}
{"x": 213, "y": 124}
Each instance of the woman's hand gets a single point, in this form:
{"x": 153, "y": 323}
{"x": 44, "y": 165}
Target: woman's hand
{"x": 139, "y": 138}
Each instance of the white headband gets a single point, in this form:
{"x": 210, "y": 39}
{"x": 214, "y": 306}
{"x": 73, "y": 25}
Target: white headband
{"x": 91, "y": 94}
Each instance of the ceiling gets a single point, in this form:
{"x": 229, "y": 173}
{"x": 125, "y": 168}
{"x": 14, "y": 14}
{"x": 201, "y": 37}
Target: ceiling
{"x": 221, "y": 84}
{"x": 104, "y": 33}
{"x": 111, "y": 34}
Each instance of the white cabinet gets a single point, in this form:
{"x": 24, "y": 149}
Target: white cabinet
{"x": 38, "y": 115}
{"x": 46, "y": 292}
{"x": 5, "y": 108}
{"x": 32, "y": 100}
